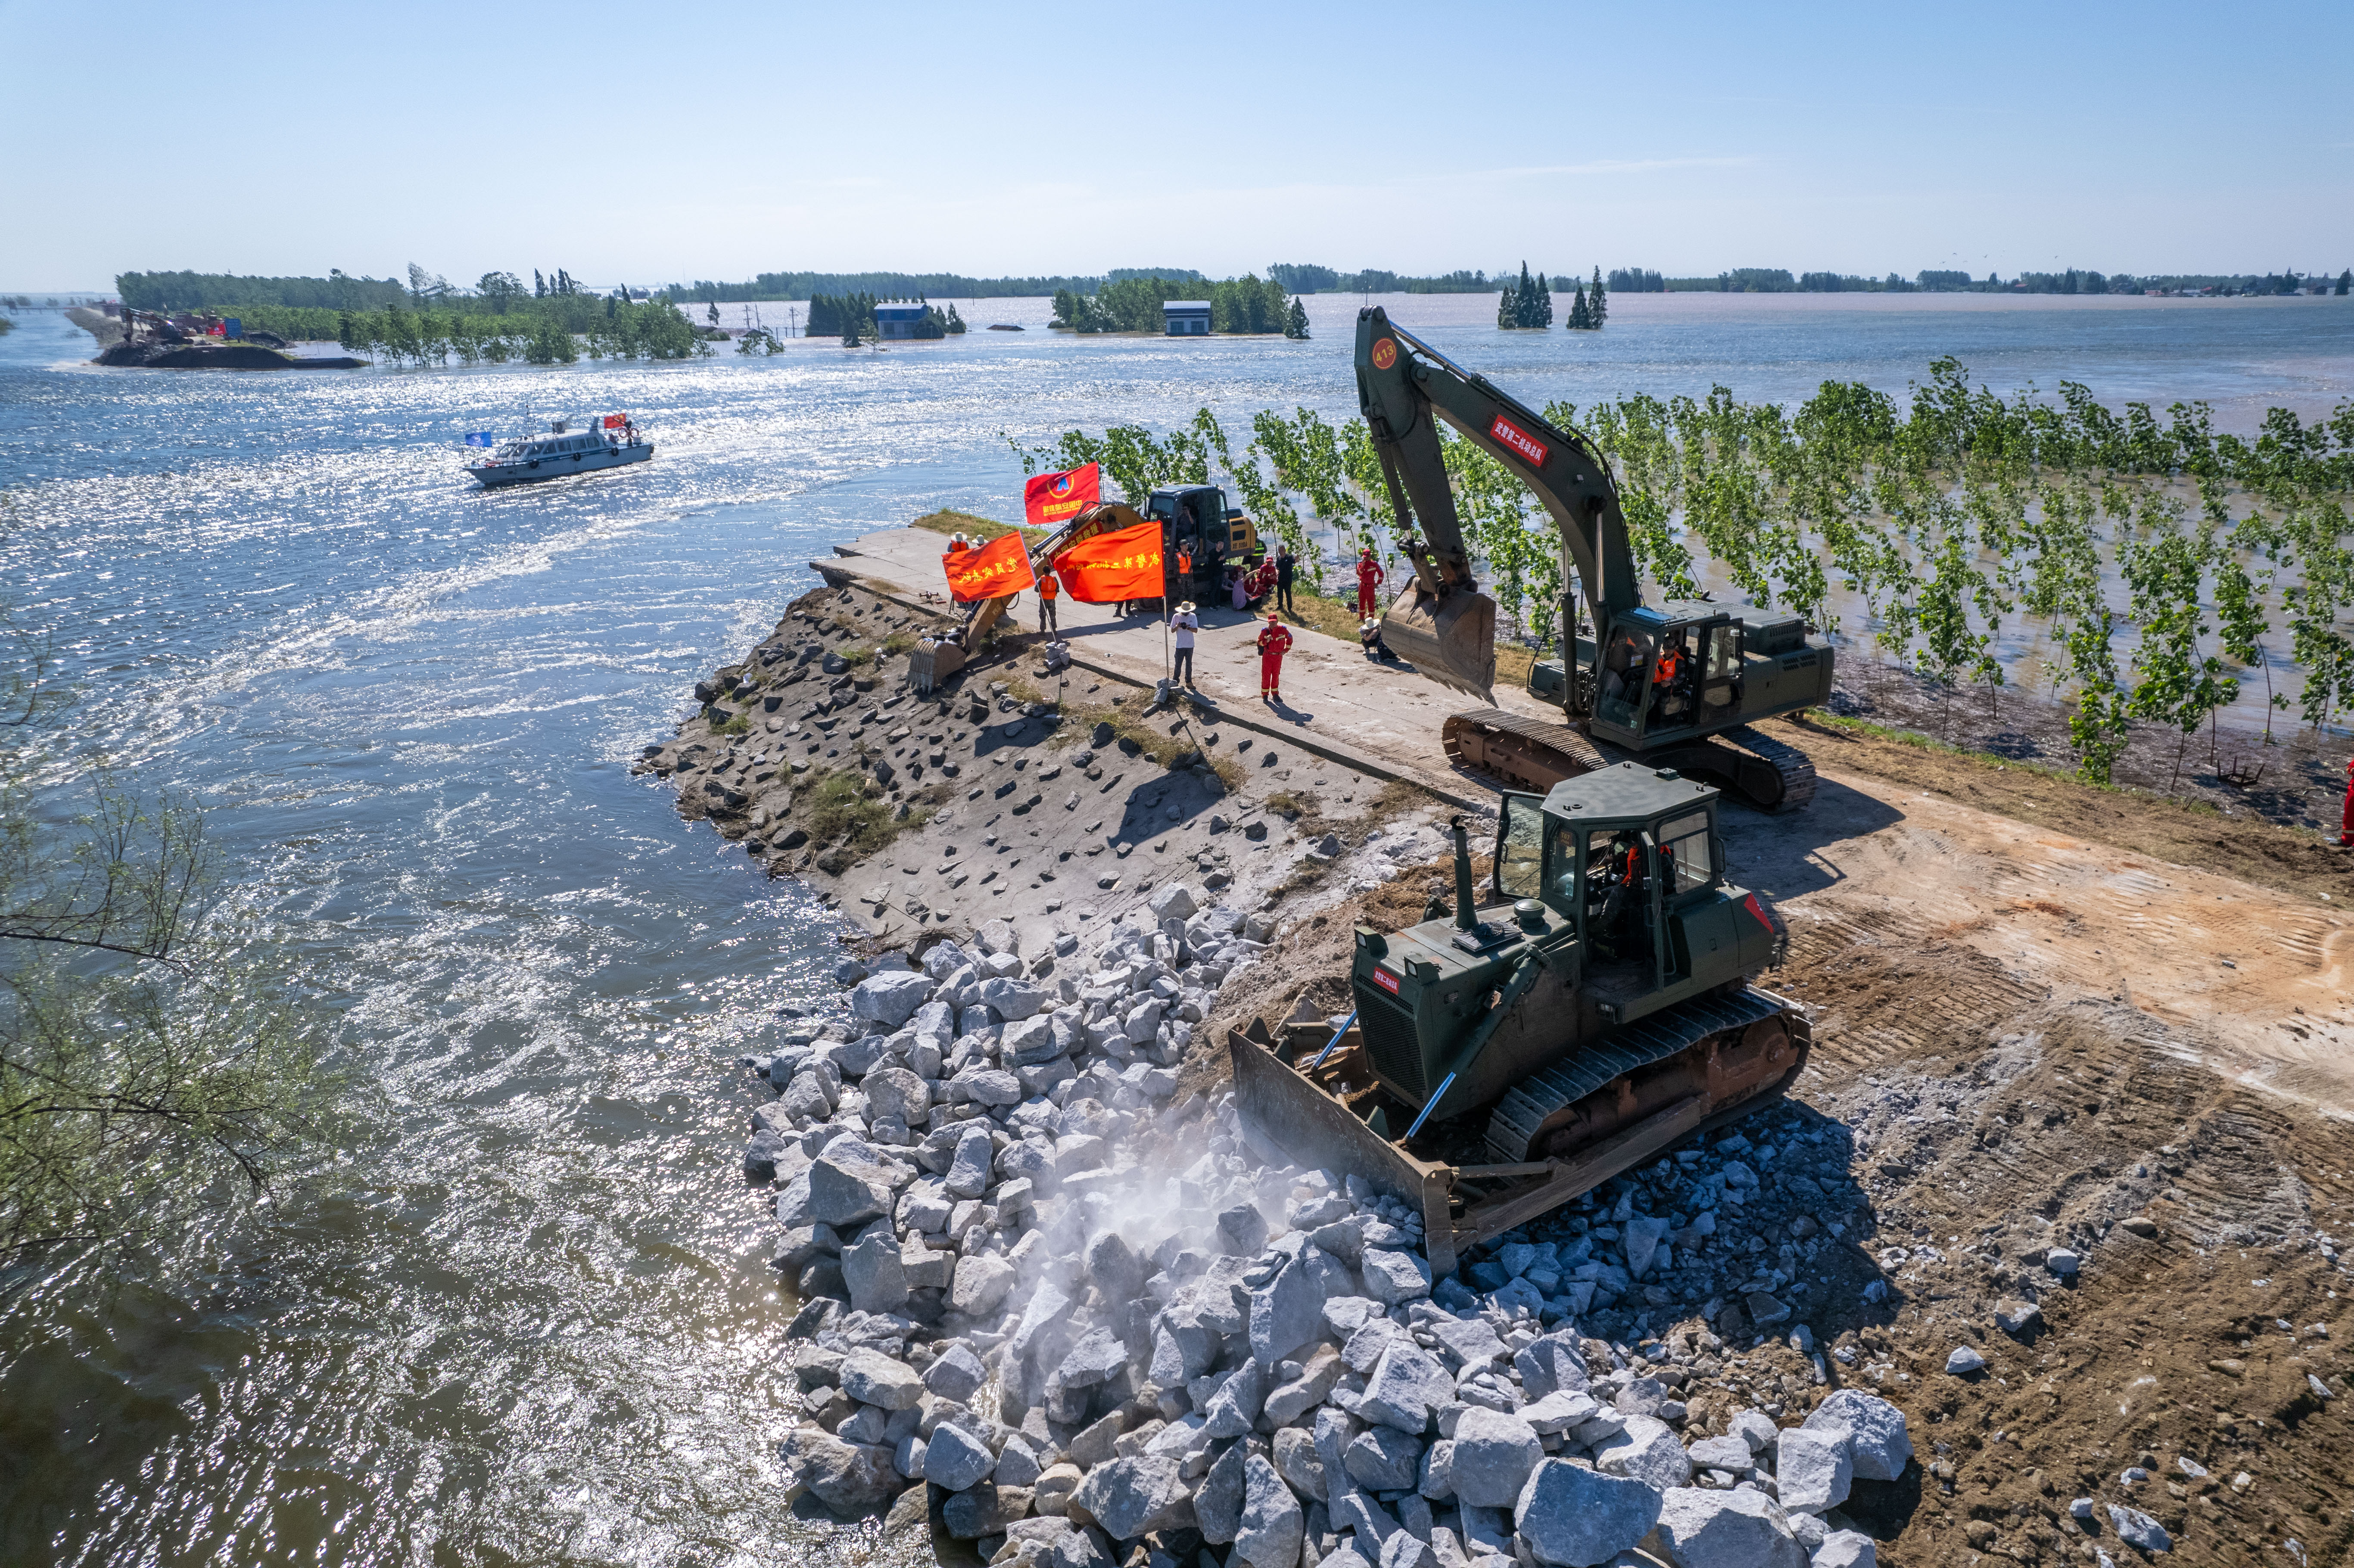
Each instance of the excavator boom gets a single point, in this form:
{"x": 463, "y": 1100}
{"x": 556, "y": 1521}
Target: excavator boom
{"x": 1442, "y": 624}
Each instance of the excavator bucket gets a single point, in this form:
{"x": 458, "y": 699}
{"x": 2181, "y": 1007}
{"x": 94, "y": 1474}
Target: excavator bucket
{"x": 1449, "y": 637}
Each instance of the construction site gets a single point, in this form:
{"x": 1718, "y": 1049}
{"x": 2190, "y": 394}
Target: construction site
{"x": 1635, "y": 1116}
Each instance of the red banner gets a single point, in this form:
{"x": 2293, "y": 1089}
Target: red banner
{"x": 992, "y": 571}
{"x": 1111, "y": 568}
{"x": 616, "y": 421}
{"x": 1052, "y": 500}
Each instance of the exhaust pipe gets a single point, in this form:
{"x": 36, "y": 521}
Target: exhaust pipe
{"x": 1465, "y": 920}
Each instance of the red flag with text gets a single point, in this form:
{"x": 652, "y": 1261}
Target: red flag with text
{"x": 1111, "y": 568}
{"x": 1052, "y": 500}
{"x": 1000, "y": 568}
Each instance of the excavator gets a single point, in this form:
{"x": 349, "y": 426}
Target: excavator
{"x": 1197, "y": 528}
{"x": 1673, "y": 685}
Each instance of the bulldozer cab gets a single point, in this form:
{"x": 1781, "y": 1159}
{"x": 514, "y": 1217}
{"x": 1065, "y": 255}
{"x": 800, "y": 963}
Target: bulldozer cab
{"x": 1620, "y": 853}
{"x": 1661, "y": 675}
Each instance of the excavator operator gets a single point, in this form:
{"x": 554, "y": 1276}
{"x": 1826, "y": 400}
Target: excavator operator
{"x": 1671, "y": 678}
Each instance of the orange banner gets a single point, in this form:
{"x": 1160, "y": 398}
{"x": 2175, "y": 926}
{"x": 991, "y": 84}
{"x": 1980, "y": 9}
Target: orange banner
{"x": 1111, "y": 568}
{"x": 997, "y": 568}
{"x": 1054, "y": 499}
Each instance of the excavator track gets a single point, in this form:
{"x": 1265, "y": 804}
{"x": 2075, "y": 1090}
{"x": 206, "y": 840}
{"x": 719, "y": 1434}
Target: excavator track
{"x": 1519, "y": 752}
{"x": 1520, "y": 1125}
{"x": 1792, "y": 768}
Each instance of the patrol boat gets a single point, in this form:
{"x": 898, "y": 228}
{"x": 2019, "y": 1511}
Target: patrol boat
{"x": 608, "y": 443}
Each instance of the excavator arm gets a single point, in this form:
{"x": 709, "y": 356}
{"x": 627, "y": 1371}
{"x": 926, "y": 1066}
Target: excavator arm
{"x": 1442, "y": 622}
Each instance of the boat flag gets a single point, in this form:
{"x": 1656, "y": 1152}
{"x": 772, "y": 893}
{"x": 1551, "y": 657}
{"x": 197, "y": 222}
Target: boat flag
{"x": 998, "y": 568}
{"x": 1113, "y": 567}
{"x": 1056, "y": 498}
{"x": 481, "y": 439}
{"x": 615, "y": 421}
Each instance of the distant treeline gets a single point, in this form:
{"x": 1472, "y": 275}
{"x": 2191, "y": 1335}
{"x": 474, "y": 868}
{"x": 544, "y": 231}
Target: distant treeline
{"x": 907, "y": 285}
{"x": 1244, "y": 304}
{"x": 493, "y": 293}
{"x": 2074, "y": 280}
{"x": 606, "y": 327}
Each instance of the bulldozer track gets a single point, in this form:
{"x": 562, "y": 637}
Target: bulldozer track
{"x": 1514, "y": 1125}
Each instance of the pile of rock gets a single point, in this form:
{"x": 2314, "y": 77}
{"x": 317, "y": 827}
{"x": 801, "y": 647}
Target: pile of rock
{"x": 1087, "y": 1318}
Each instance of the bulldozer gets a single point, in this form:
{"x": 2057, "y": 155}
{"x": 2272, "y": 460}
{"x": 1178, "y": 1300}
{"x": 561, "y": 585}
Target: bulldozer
{"x": 1197, "y": 528}
{"x": 1673, "y": 685}
{"x": 1511, "y": 1053}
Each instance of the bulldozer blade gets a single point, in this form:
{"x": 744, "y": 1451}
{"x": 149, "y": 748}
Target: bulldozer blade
{"x": 1449, "y": 637}
{"x": 1287, "y": 1120}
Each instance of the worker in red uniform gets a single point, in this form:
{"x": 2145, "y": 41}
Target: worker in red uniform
{"x": 1369, "y": 577}
{"x": 1274, "y": 642}
{"x": 2345, "y": 822}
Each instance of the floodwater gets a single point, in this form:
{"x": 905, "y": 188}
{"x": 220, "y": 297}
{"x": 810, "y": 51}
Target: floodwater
{"x": 532, "y": 1319}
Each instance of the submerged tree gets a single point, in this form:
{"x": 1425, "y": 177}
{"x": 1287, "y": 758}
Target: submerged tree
{"x": 145, "y": 1066}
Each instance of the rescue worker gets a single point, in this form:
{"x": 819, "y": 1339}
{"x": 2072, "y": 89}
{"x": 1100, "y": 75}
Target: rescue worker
{"x": 1183, "y": 625}
{"x": 1370, "y": 635}
{"x": 1274, "y": 642}
{"x": 1047, "y": 589}
{"x": 1286, "y": 564}
{"x": 1369, "y": 578}
{"x": 956, "y": 543}
{"x": 2345, "y": 822}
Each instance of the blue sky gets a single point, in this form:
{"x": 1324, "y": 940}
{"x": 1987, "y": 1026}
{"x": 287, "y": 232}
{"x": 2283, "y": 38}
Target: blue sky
{"x": 652, "y": 143}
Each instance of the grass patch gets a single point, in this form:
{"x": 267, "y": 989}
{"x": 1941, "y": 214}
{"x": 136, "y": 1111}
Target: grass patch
{"x": 1079, "y": 720}
{"x": 1818, "y": 719}
{"x": 836, "y": 810}
{"x": 945, "y": 523}
{"x": 900, "y": 641}
{"x": 740, "y": 724}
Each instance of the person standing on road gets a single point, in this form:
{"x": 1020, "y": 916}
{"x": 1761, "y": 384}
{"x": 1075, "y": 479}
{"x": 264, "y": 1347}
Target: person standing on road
{"x": 1368, "y": 579}
{"x": 1274, "y": 642}
{"x": 2345, "y": 822}
{"x": 1286, "y": 564}
{"x": 1047, "y": 589}
{"x": 1184, "y": 624}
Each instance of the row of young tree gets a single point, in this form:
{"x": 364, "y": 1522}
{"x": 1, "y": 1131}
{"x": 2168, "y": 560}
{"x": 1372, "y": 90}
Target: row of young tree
{"x": 1241, "y": 305}
{"x": 2166, "y": 565}
{"x": 1527, "y": 305}
{"x": 430, "y": 337}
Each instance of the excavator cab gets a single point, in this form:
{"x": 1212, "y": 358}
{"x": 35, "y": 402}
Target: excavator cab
{"x": 1661, "y": 676}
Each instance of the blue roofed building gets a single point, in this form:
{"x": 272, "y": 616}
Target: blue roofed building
{"x": 899, "y": 318}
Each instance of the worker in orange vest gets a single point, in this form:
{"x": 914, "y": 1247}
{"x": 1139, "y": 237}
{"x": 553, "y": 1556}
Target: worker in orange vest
{"x": 1047, "y": 589}
{"x": 1274, "y": 642}
{"x": 1369, "y": 577}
